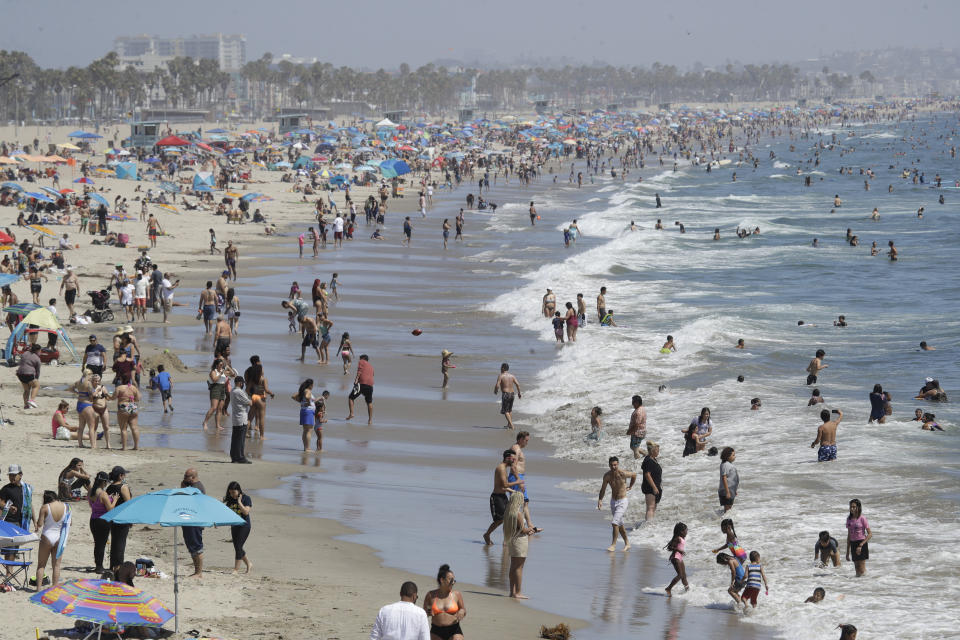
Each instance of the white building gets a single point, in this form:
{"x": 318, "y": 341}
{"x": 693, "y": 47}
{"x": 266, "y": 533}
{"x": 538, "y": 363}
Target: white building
{"x": 147, "y": 52}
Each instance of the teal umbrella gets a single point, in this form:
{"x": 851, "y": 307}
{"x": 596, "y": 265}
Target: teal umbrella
{"x": 184, "y": 507}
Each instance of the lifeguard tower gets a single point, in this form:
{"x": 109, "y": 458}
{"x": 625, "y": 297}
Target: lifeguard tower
{"x": 145, "y": 134}
{"x": 292, "y": 122}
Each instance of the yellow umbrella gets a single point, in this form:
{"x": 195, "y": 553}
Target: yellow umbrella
{"x": 67, "y": 145}
{"x": 168, "y": 207}
{"x": 42, "y": 230}
{"x": 42, "y": 318}
{"x": 109, "y": 172}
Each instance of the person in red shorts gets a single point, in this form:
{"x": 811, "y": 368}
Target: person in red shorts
{"x": 755, "y": 575}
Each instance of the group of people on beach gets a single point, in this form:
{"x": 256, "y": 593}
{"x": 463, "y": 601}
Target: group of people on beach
{"x": 103, "y": 492}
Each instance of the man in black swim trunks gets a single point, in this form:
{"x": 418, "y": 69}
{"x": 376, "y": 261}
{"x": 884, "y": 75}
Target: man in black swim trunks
{"x": 501, "y": 489}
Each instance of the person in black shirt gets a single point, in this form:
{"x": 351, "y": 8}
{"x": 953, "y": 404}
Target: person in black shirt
{"x": 651, "y": 471}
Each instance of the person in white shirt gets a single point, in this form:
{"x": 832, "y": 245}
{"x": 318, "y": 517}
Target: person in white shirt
{"x": 126, "y": 300}
{"x": 140, "y": 296}
{"x": 338, "y": 231}
{"x": 167, "y": 291}
{"x": 402, "y": 620}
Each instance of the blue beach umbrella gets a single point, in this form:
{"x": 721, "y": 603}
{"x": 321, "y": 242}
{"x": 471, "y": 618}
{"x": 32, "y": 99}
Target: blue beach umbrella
{"x": 11, "y": 185}
{"x": 96, "y": 197}
{"x": 10, "y": 534}
{"x": 184, "y": 507}
{"x": 6, "y": 279}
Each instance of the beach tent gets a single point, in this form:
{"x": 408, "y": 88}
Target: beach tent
{"x": 41, "y": 320}
{"x": 301, "y": 162}
{"x": 172, "y": 141}
{"x": 127, "y": 170}
{"x": 397, "y": 167}
{"x": 386, "y": 123}
{"x": 203, "y": 178}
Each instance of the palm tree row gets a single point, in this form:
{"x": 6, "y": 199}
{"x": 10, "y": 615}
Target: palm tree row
{"x": 104, "y": 90}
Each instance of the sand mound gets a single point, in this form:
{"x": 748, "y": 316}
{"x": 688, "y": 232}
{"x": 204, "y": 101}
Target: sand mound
{"x": 170, "y": 362}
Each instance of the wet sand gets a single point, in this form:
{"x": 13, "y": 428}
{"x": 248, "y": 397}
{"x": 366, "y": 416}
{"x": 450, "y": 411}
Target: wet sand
{"x": 415, "y": 485}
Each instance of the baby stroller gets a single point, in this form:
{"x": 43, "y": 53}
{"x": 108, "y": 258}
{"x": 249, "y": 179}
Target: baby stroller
{"x": 101, "y": 306}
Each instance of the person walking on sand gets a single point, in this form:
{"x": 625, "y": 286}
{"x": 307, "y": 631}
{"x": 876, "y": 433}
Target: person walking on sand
{"x": 616, "y": 479}
{"x": 518, "y": 472}
{"x": 827, "y": 436}
{"x": 677, "y": 549}
{"x": 501, "y": 487}
{"x": 304, "y": 396}
{"x": 193, "y": 536}
{"x": 507, "y": 386}
{"x": 362, "y": 386}
{"x": 515, "y": 542}
{"x": 241, "y": 504}
{"x": 230, "y": 256}
{"x": 239, "y": 413}
{"x": 638, "y": 427}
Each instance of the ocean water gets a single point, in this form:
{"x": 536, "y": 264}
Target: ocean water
{"x": 707, "y": 294}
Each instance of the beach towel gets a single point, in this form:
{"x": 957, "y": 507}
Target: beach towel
{"x": 64, "y": 532}
{"x": 26, "y": 513}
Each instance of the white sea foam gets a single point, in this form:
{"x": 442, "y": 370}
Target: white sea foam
{"x": 662, "y": 282}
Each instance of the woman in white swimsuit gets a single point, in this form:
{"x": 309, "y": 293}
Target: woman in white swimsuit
{"x": 52, "y": 515}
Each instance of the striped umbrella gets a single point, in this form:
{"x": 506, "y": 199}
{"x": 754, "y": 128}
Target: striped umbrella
{"x": 103, "y": 602}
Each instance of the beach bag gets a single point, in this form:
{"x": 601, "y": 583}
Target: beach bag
{"x": 62, "y": 433}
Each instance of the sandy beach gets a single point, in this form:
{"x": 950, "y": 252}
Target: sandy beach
{"x": 306, "y": 581}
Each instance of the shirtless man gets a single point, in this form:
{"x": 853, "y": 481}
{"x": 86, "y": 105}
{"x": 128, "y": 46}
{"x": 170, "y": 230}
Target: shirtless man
{"x": 616, "y": 479}
{"x": 507, "y": 386}
{"x": 549, "y": 303}
{"x": 518, "y": 472}
{"x": 499, "y": 499}
{"x": 816, "y": 366}
{"x": 308, "y": 326}
{"x": 222, "y": 286}
{"x": 533, "y": 214}
{"x": 827, "y": 436}
{"x": 638, "y": 427}
{"x": 69, "y": 287}
{"x": 208, "y": 306}
{"x": 602, "y": 304}
{"x": 230, "y": 255}
{"x": 221, "y": 336}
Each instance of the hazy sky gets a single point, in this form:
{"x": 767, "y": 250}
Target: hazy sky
{"x": 375, "y": 33}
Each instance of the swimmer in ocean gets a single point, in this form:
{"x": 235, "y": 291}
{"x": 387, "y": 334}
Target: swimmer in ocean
{"x": 668, "y": 346}
{"x": 893, "y": 253}
{"x": 740, "y": 344}
{"x": 827, "y": 436}
{"x": 925, "y": 347}
{"x": 875, "y": 215}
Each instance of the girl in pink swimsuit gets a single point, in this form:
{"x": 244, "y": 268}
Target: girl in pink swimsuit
{"x": 676, "y": 547}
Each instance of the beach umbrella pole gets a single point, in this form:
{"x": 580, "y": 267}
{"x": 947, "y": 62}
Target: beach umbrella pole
{"x": 176, "y": 587}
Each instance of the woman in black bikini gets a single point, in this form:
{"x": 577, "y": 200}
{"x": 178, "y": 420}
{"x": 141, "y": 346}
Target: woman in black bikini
{"x": 445, "y": 607}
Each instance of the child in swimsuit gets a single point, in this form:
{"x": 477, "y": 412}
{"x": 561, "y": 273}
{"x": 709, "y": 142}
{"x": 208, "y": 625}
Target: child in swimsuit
{"x": 596, "y": 426}
{"x": 676, "y": 547}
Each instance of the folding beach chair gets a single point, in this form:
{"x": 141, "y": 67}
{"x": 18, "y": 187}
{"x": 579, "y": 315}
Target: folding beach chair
{"x": 16, "y": 572}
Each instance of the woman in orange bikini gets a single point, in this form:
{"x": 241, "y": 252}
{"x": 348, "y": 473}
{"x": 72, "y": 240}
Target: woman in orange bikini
{"x": 444, "y": 607}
